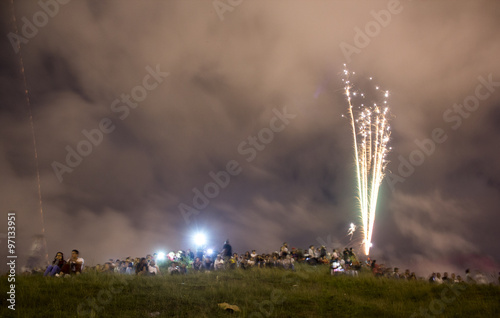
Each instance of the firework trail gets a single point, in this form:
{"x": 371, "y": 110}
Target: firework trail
{"x": 351, "y": 230}
{"x": 35, "y": 152}
{"x": 371, "y": 131}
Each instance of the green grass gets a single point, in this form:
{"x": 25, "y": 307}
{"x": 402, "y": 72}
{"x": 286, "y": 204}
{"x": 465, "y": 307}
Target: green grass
{"x": 308, "y": 292}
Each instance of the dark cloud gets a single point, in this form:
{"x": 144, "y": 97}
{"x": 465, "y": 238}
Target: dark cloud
{"x": 226, "y": 81}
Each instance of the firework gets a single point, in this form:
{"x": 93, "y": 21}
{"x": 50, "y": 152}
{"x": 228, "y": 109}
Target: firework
{"x": 371, "y": 131}
{"x": 351, "y": 230}
{"x": 30, "y": 115}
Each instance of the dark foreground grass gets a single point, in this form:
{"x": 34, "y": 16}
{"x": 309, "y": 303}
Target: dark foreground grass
{"x": 307, "y": 292}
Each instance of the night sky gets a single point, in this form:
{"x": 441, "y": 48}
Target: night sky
{"x": 159, "y": 97}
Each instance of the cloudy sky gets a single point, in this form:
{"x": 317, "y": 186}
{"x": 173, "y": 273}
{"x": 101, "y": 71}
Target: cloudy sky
{"x": 157, "y": 119}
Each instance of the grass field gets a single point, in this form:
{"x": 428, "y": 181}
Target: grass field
{"x": 307, "y": 292}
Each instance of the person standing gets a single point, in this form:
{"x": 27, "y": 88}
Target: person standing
{"x": 284, "y": 249}
{"x": 226, "y": 253}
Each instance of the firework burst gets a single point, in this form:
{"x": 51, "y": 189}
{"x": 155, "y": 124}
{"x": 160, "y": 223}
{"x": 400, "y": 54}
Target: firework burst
{"x": 371, "y": 131}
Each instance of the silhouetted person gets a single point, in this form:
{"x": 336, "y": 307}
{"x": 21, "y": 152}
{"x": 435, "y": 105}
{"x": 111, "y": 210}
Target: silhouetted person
{"x": 227, "y": 251}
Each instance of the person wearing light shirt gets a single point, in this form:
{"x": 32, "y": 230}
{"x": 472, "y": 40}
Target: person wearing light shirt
{"x": 219, "y": 263}
{"x": 74, "y": 265}
{"x": 153, "y": 268}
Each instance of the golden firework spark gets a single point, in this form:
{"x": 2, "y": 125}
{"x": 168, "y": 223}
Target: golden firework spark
{"x": 370, "y": 131}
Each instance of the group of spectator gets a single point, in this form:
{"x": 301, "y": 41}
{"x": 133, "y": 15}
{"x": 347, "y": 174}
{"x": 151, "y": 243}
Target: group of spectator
{"x": 479, "y": 278}
{"x": 181, "y": 262}
{"x": 438, "y": 279}
{"x": 61, "y": 267}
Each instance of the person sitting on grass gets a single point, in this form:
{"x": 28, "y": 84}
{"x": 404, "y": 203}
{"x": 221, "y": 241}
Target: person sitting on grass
{"x": 336, "y": 267}
{"x": 74, "y": 265}
{"x": 438, "y": 278}
{"x": 468, "y": 277}
{"x": 376, "y": 270}
{"x": 407, "y": 274}
{"x": 56, "y": 266}
{"x": 284, "y": 248}
{"x": 261, "y": 261}
{"x": 233, "y": 261}
{"x": 312, "y": 259}
{"x": 445, "y": 278}
{"x": 299, "y": 255}
{"x": 197, "y": 264}
{"x": 218, "y": 263}
{"x": 174, "y": 268}
{"x": 207, "y": 263}
{"x": 335, "y": 254}
{"x": 123, "y": 267}
{"x": 142, "y": 267}
{"x": 323, "y": 260}
{"x": 287, "y": 261}
{"x": 108, "y": 268}
{"x": 432, "y": 278}
{"x": 153, "y": 268}
{"x": 453, "y": 278}
{"x": 395, "y": 273}
{"x": 253, "y": 254}
{"x": 130, "y": 268}
{"x": 252, "y": 260}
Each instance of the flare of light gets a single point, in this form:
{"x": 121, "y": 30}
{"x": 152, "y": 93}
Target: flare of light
{"x": 161, "y": 256}
{"x": 371, "y": 132}
{"x": 200, "y": 239}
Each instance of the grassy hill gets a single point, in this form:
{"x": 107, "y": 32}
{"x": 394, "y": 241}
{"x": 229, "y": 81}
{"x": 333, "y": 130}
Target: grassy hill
{"x": 308, "y": 292}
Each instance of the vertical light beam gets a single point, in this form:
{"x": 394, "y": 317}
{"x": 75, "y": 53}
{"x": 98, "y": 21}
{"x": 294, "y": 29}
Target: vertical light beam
{"x": 371, "y": 132}
{"x": 30, "y": 115}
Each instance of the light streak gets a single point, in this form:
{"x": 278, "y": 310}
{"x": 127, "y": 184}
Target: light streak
{"x": 371, "y": 132}
{"x": 30, "y": 115}
{"x": 351, "y": 230}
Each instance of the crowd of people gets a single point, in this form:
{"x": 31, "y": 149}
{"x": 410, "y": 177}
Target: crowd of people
{"x": 343, "y": 262}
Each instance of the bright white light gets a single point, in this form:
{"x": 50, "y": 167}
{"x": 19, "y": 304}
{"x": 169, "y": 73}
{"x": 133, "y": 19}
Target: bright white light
{"x": 160, "y": 256}
{"x": 210, "y": 251}
{"x": 200, "y": 239}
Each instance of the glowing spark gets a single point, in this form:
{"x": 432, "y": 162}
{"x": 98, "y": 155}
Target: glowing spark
{"x": 371, "y": 131}
{"x": 351, "y": 230}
